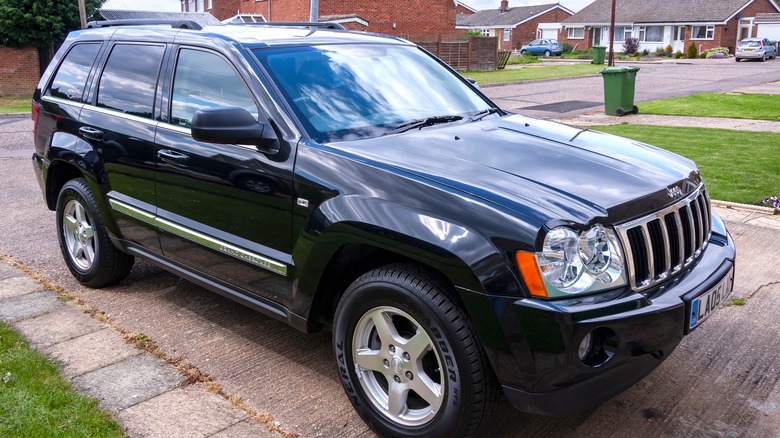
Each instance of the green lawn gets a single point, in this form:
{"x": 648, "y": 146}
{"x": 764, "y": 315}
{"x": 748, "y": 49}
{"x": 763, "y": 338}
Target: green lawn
{"x": 738, "y": 106}
{"x": 737, "y": 166}
{"x": 533, "y": 72}
{"x": 35, "y": 401}
{"x": 15, "y": 104}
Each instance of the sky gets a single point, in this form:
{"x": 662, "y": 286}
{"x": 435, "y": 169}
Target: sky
{"x": 174, "y": 5}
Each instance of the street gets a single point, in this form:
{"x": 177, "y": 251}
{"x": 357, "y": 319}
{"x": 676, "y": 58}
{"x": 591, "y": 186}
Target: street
{"x": 723, "y": 380}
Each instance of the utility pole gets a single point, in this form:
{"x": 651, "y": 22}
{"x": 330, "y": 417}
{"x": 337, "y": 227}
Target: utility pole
{"x": 82, "y": 14}
{"x": 314, "y": 11}
{"x": 611, "y": 62}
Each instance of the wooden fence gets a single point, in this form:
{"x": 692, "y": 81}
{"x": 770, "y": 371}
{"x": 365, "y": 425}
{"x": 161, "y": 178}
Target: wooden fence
{"x": 461, "y": 52}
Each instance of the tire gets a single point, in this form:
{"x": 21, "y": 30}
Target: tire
{"x": 413, "y": 337}
{"x": 620, "y": 112}
{"x": 635, "y": 109}
{"x": 85, "y": 245}
{"x": 546, "y": 53}
{"x": 524, "y": 52}
{"x": 736, "y": 59}
{"x": 763, "y": 57}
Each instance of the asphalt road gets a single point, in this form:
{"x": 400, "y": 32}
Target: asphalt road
{"x": 721, "y": 381}
{"x": 561, "y": 98}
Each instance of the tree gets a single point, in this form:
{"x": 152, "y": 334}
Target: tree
{"x": 41, "y": 23}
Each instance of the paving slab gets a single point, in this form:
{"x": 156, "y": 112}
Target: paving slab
{"x": 19, "y": 285}
{"x": 8, "y": 271}
{"x": 186, "y": 412}
{"x": 91, "y": 352}
{"x": 28, "y": 305}
{"x": 128, "y": 382}
{"x": 65, "y": 323}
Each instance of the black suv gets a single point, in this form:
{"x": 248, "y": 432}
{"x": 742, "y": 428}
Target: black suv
{"x": 353, "y": 182}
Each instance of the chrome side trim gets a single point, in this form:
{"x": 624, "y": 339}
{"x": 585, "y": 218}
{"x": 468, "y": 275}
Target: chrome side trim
{"x": 200, "y": 238}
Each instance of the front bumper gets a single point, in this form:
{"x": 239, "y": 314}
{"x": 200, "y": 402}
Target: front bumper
{"x": 542, "y": 371}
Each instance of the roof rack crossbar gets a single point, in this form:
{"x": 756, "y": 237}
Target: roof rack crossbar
{"x": 181, "y": 24}
{"x": 320, "y": 24}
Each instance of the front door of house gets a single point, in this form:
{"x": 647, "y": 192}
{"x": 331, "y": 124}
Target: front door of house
{"x": 597, "y": 34}
{"x": 678, "y": 39}
{"x": 745, "y": 29}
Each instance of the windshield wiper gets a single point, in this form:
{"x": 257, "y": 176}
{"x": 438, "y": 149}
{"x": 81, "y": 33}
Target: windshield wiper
{"x": 421, "y": 123}
{"x": 484, "y": 113}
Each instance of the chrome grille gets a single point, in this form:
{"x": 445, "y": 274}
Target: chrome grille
{"x": 661, "y": 244}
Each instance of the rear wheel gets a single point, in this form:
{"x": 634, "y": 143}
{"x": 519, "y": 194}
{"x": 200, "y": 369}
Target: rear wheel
{"x": 85, "y": 245}
{"x": 620, "y": 112}
{"x": 546, "y": 53}
{"x": 763, "y": 57}
{"x": 408, "y": 356}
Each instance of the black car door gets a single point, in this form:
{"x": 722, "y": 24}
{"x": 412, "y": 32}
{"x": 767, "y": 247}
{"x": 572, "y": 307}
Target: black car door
{"x": 223, "y": 209}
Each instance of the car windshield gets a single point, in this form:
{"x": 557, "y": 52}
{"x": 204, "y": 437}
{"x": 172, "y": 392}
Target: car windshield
{"x": 749, "y": 44}
{"x": 349, "y": 92}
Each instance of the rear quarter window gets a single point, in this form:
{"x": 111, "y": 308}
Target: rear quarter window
{"x": 71, "y": 77}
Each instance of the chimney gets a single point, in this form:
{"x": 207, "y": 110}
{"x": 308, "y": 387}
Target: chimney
{"x": 504, "y": 6}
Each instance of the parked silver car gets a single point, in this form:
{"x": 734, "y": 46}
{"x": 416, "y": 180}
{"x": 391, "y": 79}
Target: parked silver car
{"x": 756, "y": 48}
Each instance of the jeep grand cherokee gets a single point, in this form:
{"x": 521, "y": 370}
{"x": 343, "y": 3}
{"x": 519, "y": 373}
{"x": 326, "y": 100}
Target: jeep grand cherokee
{"x": 353, "y": 182}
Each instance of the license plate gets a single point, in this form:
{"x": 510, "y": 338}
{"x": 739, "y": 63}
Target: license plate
{"x": 705, "y": 305}
{"x": 748, "y": 50}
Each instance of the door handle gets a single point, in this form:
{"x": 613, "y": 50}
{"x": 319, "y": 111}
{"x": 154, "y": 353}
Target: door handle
{"x": 173, "y": 157}
{"x": 91, "y": 133}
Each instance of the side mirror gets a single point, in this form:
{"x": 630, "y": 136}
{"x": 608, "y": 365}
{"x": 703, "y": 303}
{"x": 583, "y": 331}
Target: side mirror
{"x": 232, "y": 125}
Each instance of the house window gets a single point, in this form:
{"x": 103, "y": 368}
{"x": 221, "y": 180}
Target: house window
{"x": 200, "y": 6}
{"x": 191, "y": 4}
{"x": 703, "y": 32}
{"x": 208, "y": 4}
{"x": 484, "y": 33}
{"x": 507, "y": 33}
{"x": 651, "y": 33}
{"x": 622, "y": 33}
{"x": 576, "y": 33}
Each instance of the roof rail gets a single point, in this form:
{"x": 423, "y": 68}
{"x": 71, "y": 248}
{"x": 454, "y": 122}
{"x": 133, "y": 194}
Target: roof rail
{"x": 320, "y": 25}
{"x": 181, "y": 24}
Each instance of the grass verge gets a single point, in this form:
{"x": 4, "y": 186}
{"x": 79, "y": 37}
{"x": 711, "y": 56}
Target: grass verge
{"x": 14, "y": 105}
{"x": 36, "y": 401}
{"x": 533, "y": 73}
{"x": 737, "y": 106}
{"x": 737, "y": 166}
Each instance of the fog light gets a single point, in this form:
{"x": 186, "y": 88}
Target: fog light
{"x": 585, "y": 346}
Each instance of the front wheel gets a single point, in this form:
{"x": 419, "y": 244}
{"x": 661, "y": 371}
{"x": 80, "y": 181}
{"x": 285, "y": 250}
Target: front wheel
{"x": 85, "y": 245}
{"x": 546, "y": 53}
{"x": 409, "y": 358}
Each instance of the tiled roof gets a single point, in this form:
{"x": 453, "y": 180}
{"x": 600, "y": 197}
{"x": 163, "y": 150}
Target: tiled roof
{"x": 202, "y": 18}
{"x": 658, "y": 11}
{"x": 767, "y": 18}
{"x": 493, "y": 17}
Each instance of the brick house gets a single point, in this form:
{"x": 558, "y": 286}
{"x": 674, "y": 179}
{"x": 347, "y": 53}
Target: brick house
{"x": 658, "y": 23}
{"x": 383, "y": 16}
{"x": 517, "y": 26}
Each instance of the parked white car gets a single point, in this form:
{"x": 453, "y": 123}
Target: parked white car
{"x": 756, "y": 48}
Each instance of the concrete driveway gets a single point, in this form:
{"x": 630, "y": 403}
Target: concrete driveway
{"x": 721, "y": 381}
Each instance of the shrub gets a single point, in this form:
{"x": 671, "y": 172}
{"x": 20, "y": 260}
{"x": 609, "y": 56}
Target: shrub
{"x": 585, "y": 55}
{"x": 703, "y": 55}
{"x": 722, "y": 51}
{"x": 630, "y": 45}
{"x": 474, "y": 33}
{"x": 693, "y": 52}
{"x": 668, "y": 49}
{"x": 567, "y": 48}
{"x": 645, "y": 52}
{"x": 678, "y": 55}
{"x": 522, "y": 59}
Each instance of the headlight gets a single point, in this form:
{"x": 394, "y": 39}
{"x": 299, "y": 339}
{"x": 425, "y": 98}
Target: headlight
{"x": 572, "y": 262}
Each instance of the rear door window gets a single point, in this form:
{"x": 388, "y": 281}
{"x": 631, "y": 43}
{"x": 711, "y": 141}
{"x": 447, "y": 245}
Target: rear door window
{"x": 71, "y": 77}
{"x": 129, "y": 80}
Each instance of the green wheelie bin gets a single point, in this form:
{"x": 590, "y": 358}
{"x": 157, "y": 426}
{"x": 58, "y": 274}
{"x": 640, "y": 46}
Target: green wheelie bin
{"x": 599, "y": 53}
{"x": 619, "y": 85}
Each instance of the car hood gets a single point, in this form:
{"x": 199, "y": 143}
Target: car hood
{"x": 540, "y": 169}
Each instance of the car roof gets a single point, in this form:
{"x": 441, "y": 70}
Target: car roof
{"x": 249, "y": 35}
